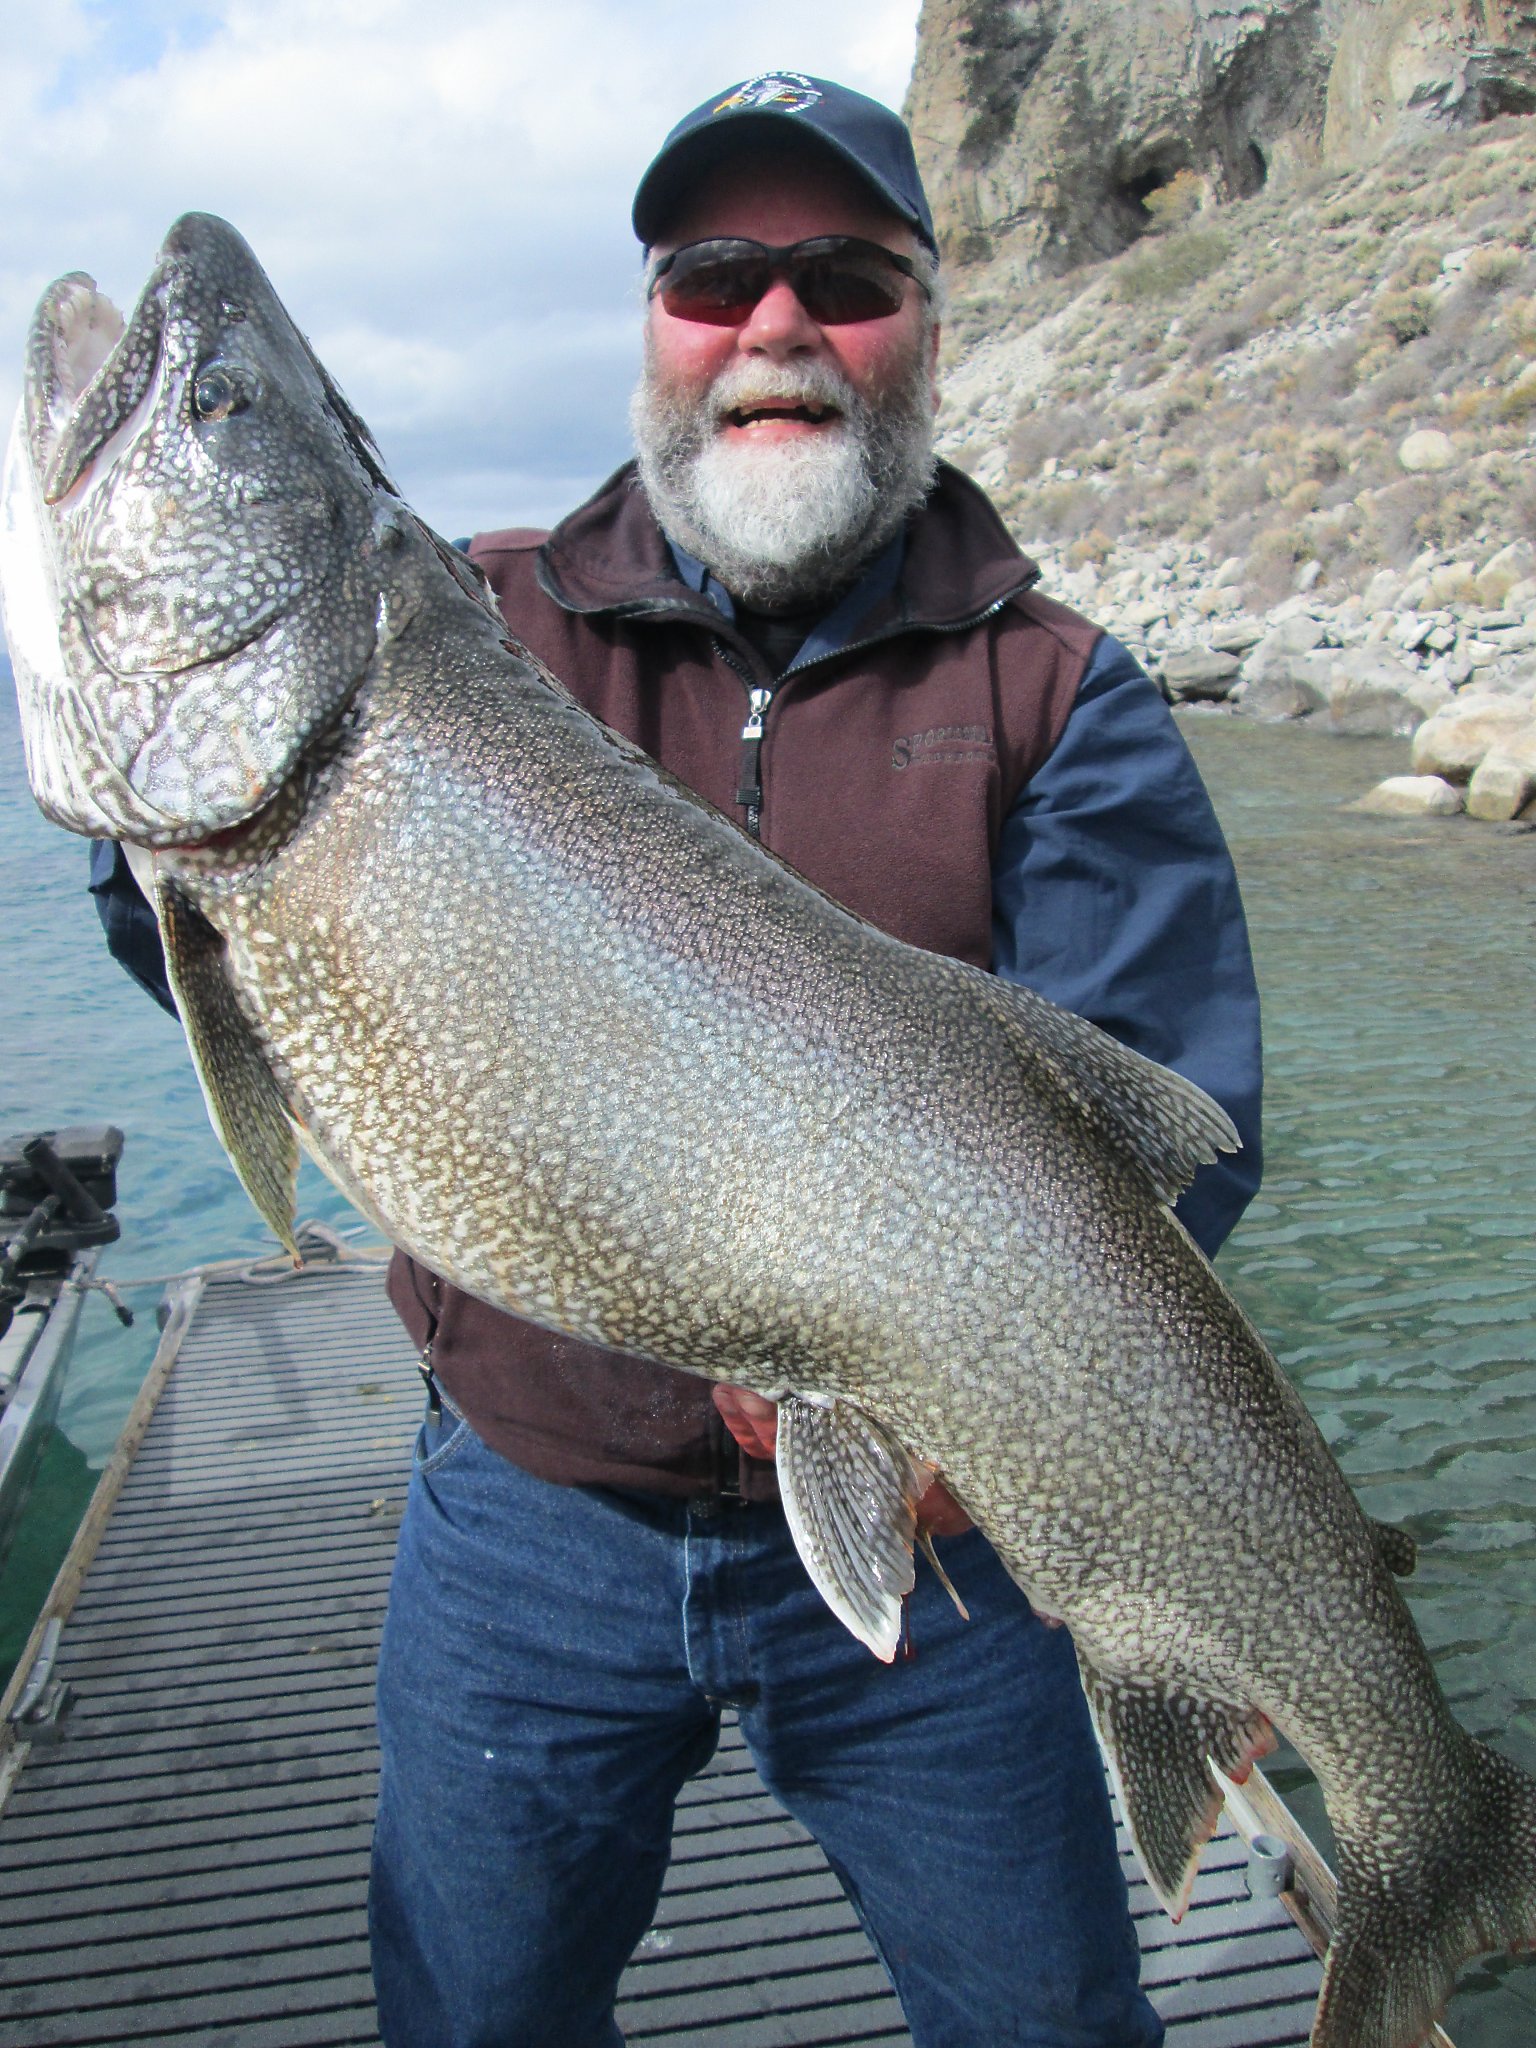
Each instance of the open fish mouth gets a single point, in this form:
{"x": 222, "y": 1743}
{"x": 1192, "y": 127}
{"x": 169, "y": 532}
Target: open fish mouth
{"x": 90, "y": 380}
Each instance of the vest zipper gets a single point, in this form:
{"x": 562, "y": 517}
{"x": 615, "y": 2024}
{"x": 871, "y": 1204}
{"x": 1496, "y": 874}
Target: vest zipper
{"x": 749, "y": 790}
{"x": 749, "y": 787}
{"x": 749, "y": 793}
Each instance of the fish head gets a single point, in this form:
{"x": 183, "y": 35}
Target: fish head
{"x": 192, "y": 525}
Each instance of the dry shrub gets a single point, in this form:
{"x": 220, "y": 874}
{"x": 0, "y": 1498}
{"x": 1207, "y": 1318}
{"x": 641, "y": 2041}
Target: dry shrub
{"x": 1263, "y": 305}
{"x": 1303, "y": 497}
{"x": 1317, "y": 380}
{"x": 1404, "y": 316}
{"x": 1242, "y": 490}
{"x": 1046, "y": 431}
{"x": 1062, "y": 511}
{"x": 1176, "y": 203}
{"x": 1093, "y": 546}
{"x": 1518, "y": 401}
{"x": 1161, "y": 266}
{"x": 1270, "y": 568}
{"x": 1420, "y": 266}
{"x": 1325, "y": 455}
{"x": 1188, "y": 397}
{"x": 1392, "y": 514}
{"x": 1489, "y": 270}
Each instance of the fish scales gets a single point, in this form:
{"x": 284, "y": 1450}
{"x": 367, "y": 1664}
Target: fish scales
{"x": 580, "y": 1046}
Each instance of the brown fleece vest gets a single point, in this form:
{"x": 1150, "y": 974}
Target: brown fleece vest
{"x": 886, "y": 775}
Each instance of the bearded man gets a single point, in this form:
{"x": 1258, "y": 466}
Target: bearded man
{"x": 833, "y": 638}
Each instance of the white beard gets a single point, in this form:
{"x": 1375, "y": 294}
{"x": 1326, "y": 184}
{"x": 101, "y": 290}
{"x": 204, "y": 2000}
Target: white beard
{"x": 786, "y": 523}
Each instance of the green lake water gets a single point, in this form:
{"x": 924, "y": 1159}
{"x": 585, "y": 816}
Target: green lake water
{"x": 1390, "y": 1258}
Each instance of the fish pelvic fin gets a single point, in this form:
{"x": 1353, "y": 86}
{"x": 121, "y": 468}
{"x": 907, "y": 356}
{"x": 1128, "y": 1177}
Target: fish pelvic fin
{"x": 1168, "y": 1125}
{"x": 1402, "y": 1935}
{"x": 248, "y": 1113}
{"x": 1160, "y": 1744}
{"x": 850, "y": 1493}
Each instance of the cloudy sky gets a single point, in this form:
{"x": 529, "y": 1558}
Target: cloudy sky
{"x": 440, "y": 193}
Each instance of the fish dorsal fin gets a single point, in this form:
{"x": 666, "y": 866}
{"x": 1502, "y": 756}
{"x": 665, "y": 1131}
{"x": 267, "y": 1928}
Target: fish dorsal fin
{"x": 1169, "y": 1126}
{"x": 1160, "y": 1744}
{"x": 246, "y": 1109}
{"x": 850, "y": 1495}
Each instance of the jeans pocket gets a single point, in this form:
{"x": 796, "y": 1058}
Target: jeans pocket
{"x": 441, "y": 1437}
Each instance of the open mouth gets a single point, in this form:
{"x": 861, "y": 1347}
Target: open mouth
{"x": 89, "y": 381}
{"x": 775, "y": 411}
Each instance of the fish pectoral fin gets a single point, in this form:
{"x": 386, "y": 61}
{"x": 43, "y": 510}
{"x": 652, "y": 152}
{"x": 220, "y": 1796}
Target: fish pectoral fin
{"x": 1160, "y": 1744}
{"x": 1170, "y": 1126}
{"x": 246, "y": 1109}
{"x": 850, "y": 1493}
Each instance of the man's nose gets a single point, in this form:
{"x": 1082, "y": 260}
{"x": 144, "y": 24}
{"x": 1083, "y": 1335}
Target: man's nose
{"x": 779, "y": 325}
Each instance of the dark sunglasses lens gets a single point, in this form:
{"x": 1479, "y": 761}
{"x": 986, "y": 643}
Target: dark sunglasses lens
{"x": 838, "y": 290}
{"x": 719, "y": 290}
{"x": 836, "y": 287}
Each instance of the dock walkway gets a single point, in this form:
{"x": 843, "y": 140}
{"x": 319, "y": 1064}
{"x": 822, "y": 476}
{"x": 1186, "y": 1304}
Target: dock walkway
{"x": 187, "y": 1864}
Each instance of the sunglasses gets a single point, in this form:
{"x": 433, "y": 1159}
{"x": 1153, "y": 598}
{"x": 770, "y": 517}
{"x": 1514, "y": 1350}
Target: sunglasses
{"x": 839, "y": 279}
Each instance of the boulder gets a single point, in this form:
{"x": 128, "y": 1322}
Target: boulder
{"x": 1277, "y": 695}
{"x": 1411, "y": 796}
{"x": 1236, "y": 636}
{"x": 1517, "y": 562}
{"x": 1294, "y": 636}
{"x": 1502, "y": 785}
{"x": 1454, "y": 741}
{"x": 1383, "y": 591}
{"x": 1196, "y": 672}
{"x": 1425, "y": 451}
{"x": 1372, "y": 693}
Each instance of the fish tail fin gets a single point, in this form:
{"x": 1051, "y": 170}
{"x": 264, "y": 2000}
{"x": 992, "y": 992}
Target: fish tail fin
{"x": 1401, "y": 1936}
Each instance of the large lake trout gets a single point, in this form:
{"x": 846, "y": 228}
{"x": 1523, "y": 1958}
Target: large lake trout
{"x": 579, "y": 1045}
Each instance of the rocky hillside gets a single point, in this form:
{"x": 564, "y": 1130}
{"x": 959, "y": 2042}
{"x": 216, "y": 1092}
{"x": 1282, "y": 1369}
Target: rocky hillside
{"x": 1283, "y": 443}
{"x": 1046, "y": 126}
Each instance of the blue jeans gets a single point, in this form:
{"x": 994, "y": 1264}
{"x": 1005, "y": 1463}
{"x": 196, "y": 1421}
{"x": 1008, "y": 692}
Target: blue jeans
{"x": 553, "y": 1667}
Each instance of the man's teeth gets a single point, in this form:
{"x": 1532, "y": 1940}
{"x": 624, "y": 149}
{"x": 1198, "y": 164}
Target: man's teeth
{"x": 743, "y": 415}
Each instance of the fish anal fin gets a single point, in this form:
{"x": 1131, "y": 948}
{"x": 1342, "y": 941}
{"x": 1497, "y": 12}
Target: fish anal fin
{"x": 850, "y": 1493}
{"x": 1160, "y": 1744}
{"x": 247, "y": 1111}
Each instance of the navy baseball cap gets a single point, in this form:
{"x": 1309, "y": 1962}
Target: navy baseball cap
{"x": 868, "y": 137}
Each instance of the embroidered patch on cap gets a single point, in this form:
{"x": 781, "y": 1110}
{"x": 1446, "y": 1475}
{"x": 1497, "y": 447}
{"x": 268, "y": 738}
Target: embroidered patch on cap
{"x": 791, "y": 90}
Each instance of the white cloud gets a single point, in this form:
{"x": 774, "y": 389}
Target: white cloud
{"x": 440, "y": 196}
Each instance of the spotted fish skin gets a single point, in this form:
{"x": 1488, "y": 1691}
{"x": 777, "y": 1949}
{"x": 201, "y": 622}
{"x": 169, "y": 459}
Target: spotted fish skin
{"x": 586, "y": 1050}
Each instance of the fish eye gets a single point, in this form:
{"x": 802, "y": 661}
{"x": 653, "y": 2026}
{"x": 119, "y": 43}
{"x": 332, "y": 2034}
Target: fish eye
{"x": 216, "y": 393}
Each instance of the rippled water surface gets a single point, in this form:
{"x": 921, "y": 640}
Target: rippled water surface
{"x": 1391, "y": 1257}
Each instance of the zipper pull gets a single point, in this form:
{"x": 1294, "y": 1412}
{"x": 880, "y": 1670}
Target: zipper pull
{"x": 750, "y": 794}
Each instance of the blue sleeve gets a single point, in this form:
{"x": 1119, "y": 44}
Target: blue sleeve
{"x": 1114, "y": 894}
{"x": 132, "y": 929}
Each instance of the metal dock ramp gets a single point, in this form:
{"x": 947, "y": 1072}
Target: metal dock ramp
{"x": 187, "y": 1864}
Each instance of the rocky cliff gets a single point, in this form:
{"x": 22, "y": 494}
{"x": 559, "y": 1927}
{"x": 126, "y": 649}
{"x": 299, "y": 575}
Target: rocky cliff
{"x": 1285, "y": 449}
{"x": 1047, "y": 129}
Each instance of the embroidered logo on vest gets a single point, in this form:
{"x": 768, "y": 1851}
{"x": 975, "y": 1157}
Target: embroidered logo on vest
{"x": 942, "y": 744}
